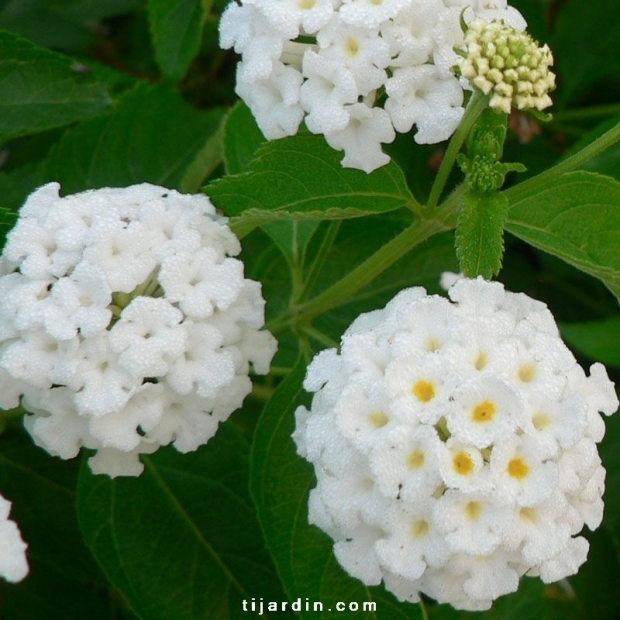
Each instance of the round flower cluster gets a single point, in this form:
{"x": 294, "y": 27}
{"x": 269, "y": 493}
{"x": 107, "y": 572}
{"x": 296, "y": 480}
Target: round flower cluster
{"x": 13, "y": 562}
{"x": 126, "y": 323}
{"x": 355, "y": 70}
{"x": 454, "y": 445}
{"x": 508, "y": 65}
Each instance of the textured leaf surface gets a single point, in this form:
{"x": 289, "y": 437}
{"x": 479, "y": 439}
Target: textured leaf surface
{"x": 64, "y": 581}
{"x": 40, "y": 89}
{"x": 302, "y": 177}
{"x": 176, "y": 29}
{"x": 280, "y": 483}
{"x": 576, "y": 218}
{"x": 181, "y": 541}
{"x": 152, "y": 136}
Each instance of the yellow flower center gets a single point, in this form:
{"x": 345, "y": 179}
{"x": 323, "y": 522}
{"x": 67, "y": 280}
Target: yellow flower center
{"x": 484, "y": 411}
{"x": 463, "y": 464}
{"x": 378, "y": 419}
{"x": 424, "y": 391}
{"x": 420, "y": 529}
{"x": 481, "y": 360}
{"x": 541, "y": 421}
{"x": 527, "y": 372}
{"x": 352, "y": 47}
{"x": 518, "y": 468}
{"x": 473, "y": 510}
{"x": 416, "y": 459}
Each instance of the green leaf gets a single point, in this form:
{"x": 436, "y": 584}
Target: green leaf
{"x": 176, "y": 28}
{"x": 64, "y": 581}
{"x": 280, "y": 482}
{"x": 40, "y": 89}
{"x": 301, "y": 177}
{"x": 480, "y": 233}
{"x": 575, "y": 217}
{"x": 242, "y": 138}
{"x": 153, "y": 136}
{"x": 181, "y": 541}
{"x": 598, "y": 340}
{"x": 585, "y": 50}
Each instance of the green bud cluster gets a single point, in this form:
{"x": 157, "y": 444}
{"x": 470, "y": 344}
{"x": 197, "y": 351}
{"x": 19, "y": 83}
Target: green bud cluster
{"x": 508, "y": 65}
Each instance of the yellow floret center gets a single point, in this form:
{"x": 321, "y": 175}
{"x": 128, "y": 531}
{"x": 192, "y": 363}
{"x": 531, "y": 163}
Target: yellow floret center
{"x": 473, "y": 510}
{"x": 518, "y": 468}
{"x": 484, "y": 411}
{"x": 424, "y": 391}
{"x": 481, "y": 360}
{"x": 416, "y": 459}
{"x": 420, "y": 529}
{"x": 463, "y": 464}
{"x": 527, "y": 373}
{"x": 378, "y": 419}
{"x": 352, "y": 47}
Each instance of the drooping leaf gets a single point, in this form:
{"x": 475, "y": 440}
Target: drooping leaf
{"x": 280, "y": 482}
{"x": 152, "y": 136}
{"x": 176, "y": 29}
{"x": 182, "y": 540}
{"x": 575, "y": 217}
{"x": 301, "y": 177}
{"x": 40, "y": 89}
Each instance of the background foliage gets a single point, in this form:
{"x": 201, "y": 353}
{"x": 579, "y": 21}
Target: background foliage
{"x": 96, "y": 94}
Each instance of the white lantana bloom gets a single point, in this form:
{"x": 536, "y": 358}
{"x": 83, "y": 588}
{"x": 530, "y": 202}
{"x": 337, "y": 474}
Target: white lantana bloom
{"x": 454, "y": 445}
{"x": 126, "y": 323}
{"x": 322, "y": 61}
{"x": 13, "y": 561}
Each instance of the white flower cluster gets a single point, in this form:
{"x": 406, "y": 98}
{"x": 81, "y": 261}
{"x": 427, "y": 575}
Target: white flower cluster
{"x": 454, "y": 445}
{"x": 355, "y": 70}
{"x": 13, "y": 562}
{"x": 508, "y": 65}
{"x": 126, "y": 323}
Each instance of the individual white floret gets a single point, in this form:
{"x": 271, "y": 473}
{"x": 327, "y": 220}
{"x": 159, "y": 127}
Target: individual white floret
{"x": 418, "y": 95}
{"x": 292, "y": 16}
{"x": 329, "y": 86}
{"x": 13, "y": 561}
{"x": 274, "y": 102}
{"x": 370, "y": 14}
{"x": 361, "y": 139}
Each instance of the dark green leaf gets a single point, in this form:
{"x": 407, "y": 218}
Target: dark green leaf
{"x": 480, "y": 233}
{"x": 242, "y": 138}
{"x": 280, "y": 483}
{"x": 153, "y": 136}
{"x": 181, "y": 541}
{"x": 176, "y": 28}
{"x": 40, "y": 89}
{"x": 301, "y": 177}
{"x": 64, "y": 582}
{"x": 576, "y": 218}
{"x": 598, "y": 340}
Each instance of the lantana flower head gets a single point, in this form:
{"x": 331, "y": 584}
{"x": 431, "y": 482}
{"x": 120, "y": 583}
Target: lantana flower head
{"x": 356, "y": 71}
{"x": 126, "y": 323}
{"x": 454, "y": 445}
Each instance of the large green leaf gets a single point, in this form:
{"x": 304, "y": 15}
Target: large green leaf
{"x": 181, "y": 542}
{"x": 577, "y": 218}
{"x": 598, "y": 340}
{"x": 176, "y": 28}
{"x": 64, "y": 582}
{"x": 40, "y": 89}
{"x": 153, "y": 136}
{"x": 301, "y": 177}
{"x": 280, "y": 483}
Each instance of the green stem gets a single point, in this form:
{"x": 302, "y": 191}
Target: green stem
{"x": 477, "y": 103}
{"x": 603, "y": 142}
{"x": 364, "y": 274}
{"x": 317, "y": 264}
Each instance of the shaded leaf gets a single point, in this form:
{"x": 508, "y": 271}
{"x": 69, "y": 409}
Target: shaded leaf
{"x": 242, "y": 138}
{"x": 280, "y": 482}
{"x": 576, "y": 218}
{"x": 153, "y": 136}
{"x": 181, "y": 541}
{"x": 40, "y": 89}
{"x": 176, "y": 28}
{"x": 598, "y": 340}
